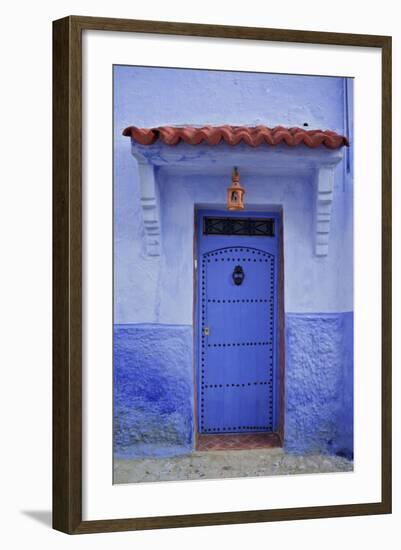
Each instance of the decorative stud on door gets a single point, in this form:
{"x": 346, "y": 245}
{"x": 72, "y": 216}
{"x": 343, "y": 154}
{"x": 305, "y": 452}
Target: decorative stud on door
{"x": 237, "y": 344}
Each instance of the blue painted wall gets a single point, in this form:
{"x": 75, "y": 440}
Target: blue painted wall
{"x": 153, "y": 390}
{"x": 153, "y": 297}
{"x": 318, "y": 383}
{"x": 149, "y": 97}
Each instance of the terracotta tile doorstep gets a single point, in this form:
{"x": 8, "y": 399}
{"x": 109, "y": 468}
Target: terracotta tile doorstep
{"x": 237, "y": 442}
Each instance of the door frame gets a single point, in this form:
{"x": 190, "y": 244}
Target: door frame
{"x": 279, "y": 393}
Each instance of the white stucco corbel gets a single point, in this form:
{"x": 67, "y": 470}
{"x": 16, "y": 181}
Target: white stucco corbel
{"x": 149, "y": 197}
{"x": 324, "y": 200}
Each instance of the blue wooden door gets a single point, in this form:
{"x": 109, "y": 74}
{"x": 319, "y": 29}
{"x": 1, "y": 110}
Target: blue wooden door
{"x": 237, "y": 322}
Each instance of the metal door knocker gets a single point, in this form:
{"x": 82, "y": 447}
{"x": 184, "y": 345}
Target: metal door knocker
{"x": 238, "y": 275}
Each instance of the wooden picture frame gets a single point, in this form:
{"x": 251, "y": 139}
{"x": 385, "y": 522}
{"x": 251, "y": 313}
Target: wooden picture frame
{"x": 67, "y": 274}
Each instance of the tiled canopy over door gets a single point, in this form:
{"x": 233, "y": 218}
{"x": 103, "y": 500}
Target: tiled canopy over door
{"x": 152, "y": 147}
{"x": 302, "y": 173}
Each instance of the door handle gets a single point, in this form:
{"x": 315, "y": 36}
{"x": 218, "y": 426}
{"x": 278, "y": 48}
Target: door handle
{"x": 206, "y": 331}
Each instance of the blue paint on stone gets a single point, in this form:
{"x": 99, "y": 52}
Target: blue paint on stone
{"x": 153, "y": 390}
{"x": 344, "y": 443}
{"x": 153, "y": 363}
{"x": 319, "y": 383}
{"x": 154, "y": 387}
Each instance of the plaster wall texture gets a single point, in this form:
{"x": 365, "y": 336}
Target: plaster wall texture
{"x": 147, "y": 97}
{"x": 318, "y": 382}
{"x": 153, "y": 404}
{"x": 147, "y": 292}
{"x": 154, "y": 295}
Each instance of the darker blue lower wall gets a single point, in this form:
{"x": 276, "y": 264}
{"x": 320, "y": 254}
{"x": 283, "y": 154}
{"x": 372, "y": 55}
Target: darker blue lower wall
{"x": 319, "y": 383}
{"x": 153, "y": 390}
{"x": 154, "y": 387}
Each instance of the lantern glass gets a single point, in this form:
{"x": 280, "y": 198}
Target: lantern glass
{"x": 235, "y": 193}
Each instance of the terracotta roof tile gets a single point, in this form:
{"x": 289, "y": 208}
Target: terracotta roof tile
{"x": 251, "y": 135}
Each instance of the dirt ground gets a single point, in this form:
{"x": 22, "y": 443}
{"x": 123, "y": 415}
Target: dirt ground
{"x": 226, "y": 464}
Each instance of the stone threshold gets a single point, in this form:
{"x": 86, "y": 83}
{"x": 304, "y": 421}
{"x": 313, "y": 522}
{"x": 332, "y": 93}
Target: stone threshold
{"x": 243, "y": 441}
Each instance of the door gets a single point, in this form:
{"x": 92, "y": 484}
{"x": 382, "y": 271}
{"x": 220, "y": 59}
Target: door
{"x": 237, "y": 322}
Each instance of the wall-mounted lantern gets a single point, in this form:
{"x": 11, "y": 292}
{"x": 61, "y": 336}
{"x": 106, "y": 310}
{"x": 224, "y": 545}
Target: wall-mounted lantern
{"x": 235, "y": 193}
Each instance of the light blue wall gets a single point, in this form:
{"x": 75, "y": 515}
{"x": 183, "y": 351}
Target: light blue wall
{"x": 152, "y": 97}
{"x": 154, "y": 292}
